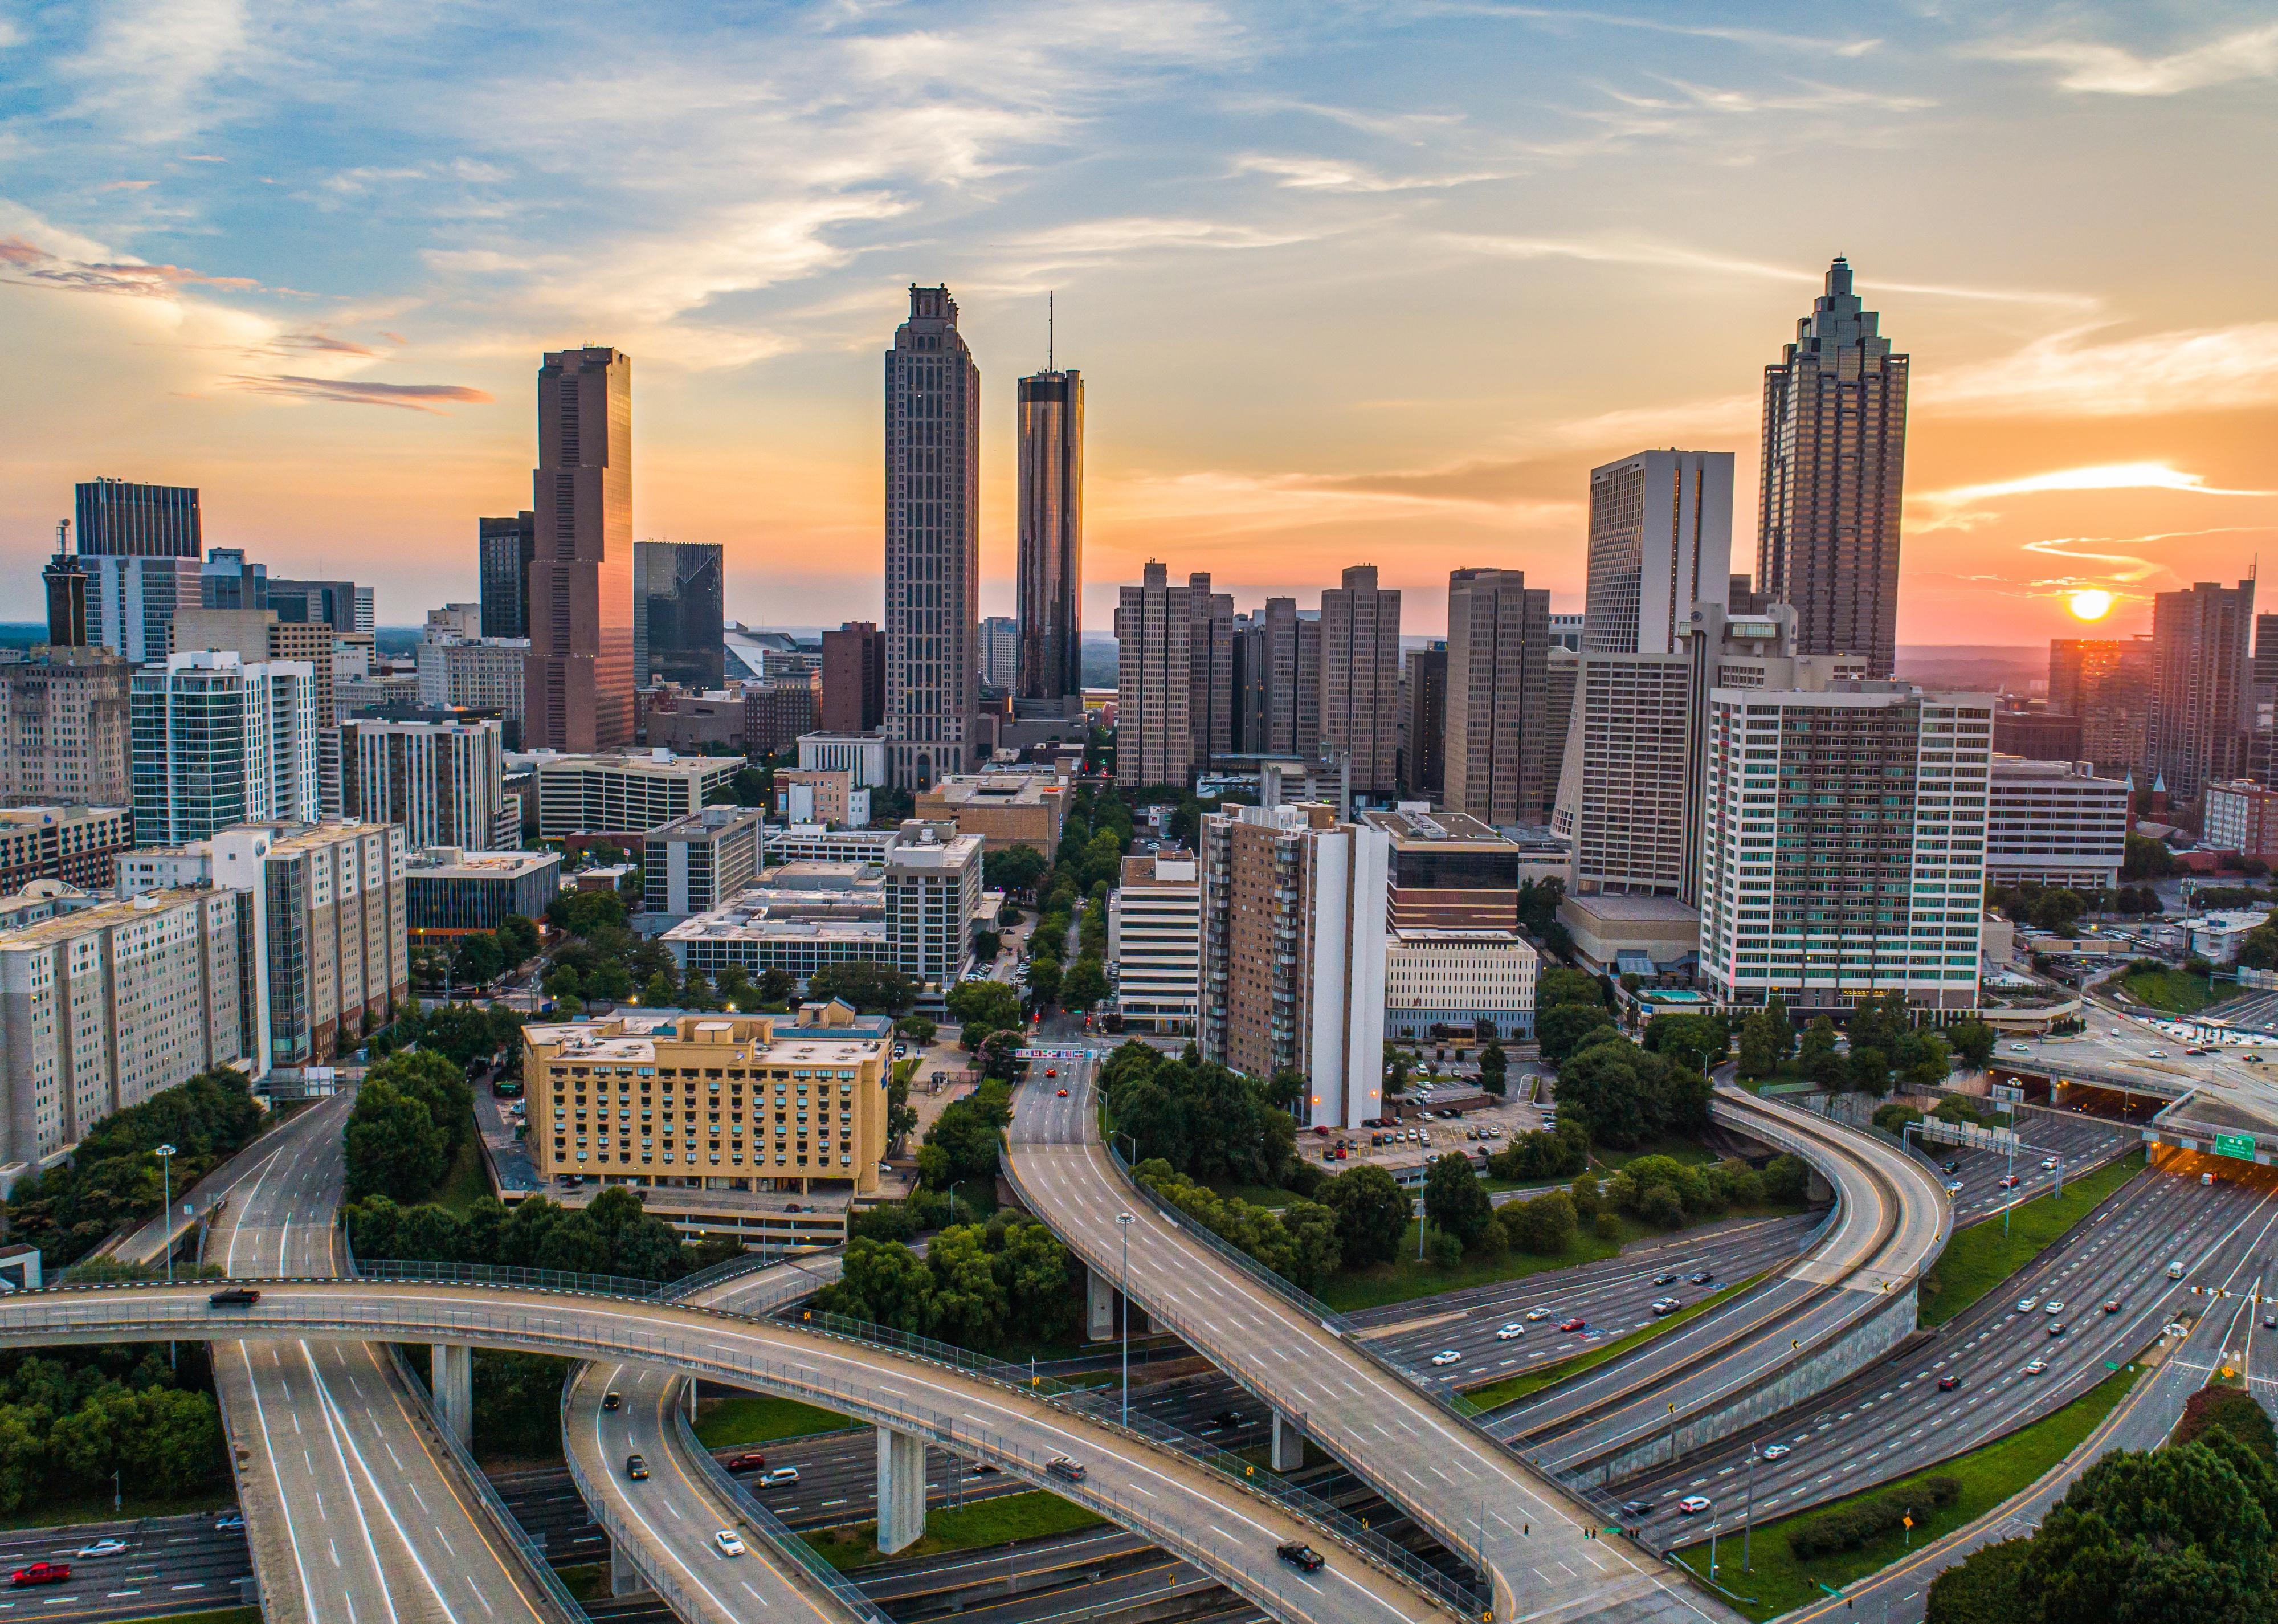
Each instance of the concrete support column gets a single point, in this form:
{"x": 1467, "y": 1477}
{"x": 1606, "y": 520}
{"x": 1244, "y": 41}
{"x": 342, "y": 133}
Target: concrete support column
{"x": 624, "y": 1578}
{"x": 1099, "y": 1305}
{"x": 451, "y": 1378}
{"x": 1289, "y": 1443}
{"x": 901, "y": 1490}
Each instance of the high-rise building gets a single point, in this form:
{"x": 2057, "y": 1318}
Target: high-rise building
{"x": 482, "y": 674}
{"x": 933, "y": 544}
{"x": 1453, "y": 956}
{"x": 443, "y": 781}
{"x": 1154, "y": 940}
{"x": 2038, "y": 735}
{"x": 1424, "y": 735}
{"x": 2241, "y": 817}
{"x": 1210, "y": 661}
{"x": 1502, "y": 762}
{"x": 1154, "y": 731}
{"x": 2203, "y": 703}
{"x": 1360, "y": 680}
{"x": 1049, "y": 433}
{"x": 258, "y": 637}
{"x": 134, "y": 598}
{"x": 342, "y": 605}
{"x": 66, "y": 581}
{"x": 1845, "y": 849}
{"x": 1248, "y": 642}
{"x": 1661, "y": 541}
{"x": 933, "y": 888}
{"x": 2109, "y": 684}
{"x": 696, "y": 863}
{"x": 625, "y": 794}
{"x": 1742, "y": 599}
{"x": 79, "y": 845}
{"x": 1293, "y": 954}
{"x": 854, "y": 679}
{"x": 678, "y": 627}
{"x": 506, "y": 546}
{"x": 217, "y": 741}
{"x": 116, "y": 518}
{"x": 1566, "y": 632}
{"x": 578, "y": 683}
{"x": 1292, "y": 680}
{"x": 2055, "y": 824}
{"x": 1834, "y": 467}
{"x": 64, "y": 729}
{"x": 226, "y": 580}
{"x": 1000, "y": 653}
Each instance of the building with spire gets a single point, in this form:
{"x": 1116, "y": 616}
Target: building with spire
{"x": 578, "y": 688}
{"x": 1049, "y": 525}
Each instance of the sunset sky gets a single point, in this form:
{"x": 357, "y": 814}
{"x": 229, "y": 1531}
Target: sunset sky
{"x": 1348, "y": 283}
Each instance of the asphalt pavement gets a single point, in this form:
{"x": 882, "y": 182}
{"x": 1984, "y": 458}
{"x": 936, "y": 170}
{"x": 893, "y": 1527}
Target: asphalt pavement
{"x": 171, "y": 1564}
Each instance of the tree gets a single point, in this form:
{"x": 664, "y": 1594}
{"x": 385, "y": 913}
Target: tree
{"x": 1821, "y": 1062}
{"x": 2057, "y": 909}
{"x": 1016, "y": 868}
{"x": 1560, "y": 1029}
{"x": 2231, "y": 1410}
{"x": 1373, "y": 1211}
{"x": 885, "y": 1283}
{"x": 1544, "y": 1225}
{"x": 1495, "y": 1069}
{"x": 987, "y": 945}
{"x": 1984, "y": 1589}
{"x": 2146, "y": 858}
{"x": 1869, "y": 1071}
{"x": 981, "y": 1008}
{"x": 1559, "y": 985}
{"x": 1455, "y": 1201}
{"x": 921, "y": 1032}
{"x": 1698, "y": 1040}
{"x": 869, "y": 985}
{"x": 660, "y": 991}
{"x": 750, "y": 787}
{"x": 1396, "y": 1070}
{"x": 1974, "y": 1041}
{"x": 582, "y": 913}
{"x": 776, "y": 986}
{"x": 1787, "y": 1179}
{"x": 393, "y": 1145}
{"x": 1044, "y": 980}
{"x": 1085, "y": 985}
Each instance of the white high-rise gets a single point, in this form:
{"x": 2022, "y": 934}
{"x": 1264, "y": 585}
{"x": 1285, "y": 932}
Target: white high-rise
{"x": 1661, "y": 541}
{"x": 217, "y": 741}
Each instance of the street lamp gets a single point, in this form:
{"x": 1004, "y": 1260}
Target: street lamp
{"x": 165, "y": 1155}
{"x": 1123, "y": 1223}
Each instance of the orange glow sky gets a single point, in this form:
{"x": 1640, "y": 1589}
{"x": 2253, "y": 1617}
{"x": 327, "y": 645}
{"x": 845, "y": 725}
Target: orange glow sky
{"x": 1347, "y": 284}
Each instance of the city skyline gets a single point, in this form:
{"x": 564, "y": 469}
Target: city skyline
{"x": 1550, "y": 237}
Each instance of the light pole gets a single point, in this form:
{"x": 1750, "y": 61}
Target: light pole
{"x": 1123, "y": 1223}
{"x": 1748, "y": 1523}
{"x": 165, "y": 1155}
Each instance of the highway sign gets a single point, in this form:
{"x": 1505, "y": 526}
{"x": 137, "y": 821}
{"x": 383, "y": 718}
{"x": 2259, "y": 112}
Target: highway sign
{"x": 2240, "y": 1146}
{"x": 2010, "y": 1093}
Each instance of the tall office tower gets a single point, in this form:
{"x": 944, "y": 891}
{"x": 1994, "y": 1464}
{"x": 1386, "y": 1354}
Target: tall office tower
{"x": 218, "y": 741}
{"x": 1293, "y": 680}
{"x": 2266, "y": 651}
{"x": 932, "y": 545}
{"x": 65, "y": 581}
{"x": 63, "y": 729}
{"x": 479, "y": 673}
{"x": 1000, "y": 653}
{"x": 579, "y": 681}
{"x": 1154, "y": 730}
{"x": 443, "y": 781}
{"x": 1049, "y": 525}
{"x": 1360, "y": 680}
{"x": 1210, "y": 646}
{"x": 2203, "y": 705}
{"x": 506, "y": 546}
{"x": 854, "y": 679}
{"x": 679, "y": 631}
{"x": 1845, "y": 847}
{"x": 1834, "y": 467}
{"x": 1424, "y": 752}
{"x": 228, "y": 581}
{"x": 1453, "y": 955}
{"x": 115, "y": 518}
{"x": 342, "y": 605}
{"x": 1661, "y": 541}
{"x": 133, "y": 600}
{"x": 1248, "y": 642}
{"x": 1293, "y": 954}
{"x": 1742, "y": 599}
{"x": 1502, "y": 762}
{"x": 2109, "y": 684}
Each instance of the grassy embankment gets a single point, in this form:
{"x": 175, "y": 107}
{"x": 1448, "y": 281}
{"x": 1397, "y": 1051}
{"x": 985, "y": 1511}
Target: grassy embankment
{"x": 1980, "y": 1257}
{"x": 994, "y": 1521}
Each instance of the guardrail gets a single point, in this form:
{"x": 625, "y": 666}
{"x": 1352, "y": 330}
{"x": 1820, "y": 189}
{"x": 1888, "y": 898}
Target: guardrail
{"x": 621, "y": 1535}
{"x": 507, "y": 1525}
{"x": 726, "y": 1269}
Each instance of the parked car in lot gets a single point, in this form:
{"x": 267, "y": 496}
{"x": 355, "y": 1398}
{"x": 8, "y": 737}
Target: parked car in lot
{"x": 1300, "y": 1556}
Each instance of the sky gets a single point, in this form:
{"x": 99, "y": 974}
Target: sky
{"x": 1348, "y": 283}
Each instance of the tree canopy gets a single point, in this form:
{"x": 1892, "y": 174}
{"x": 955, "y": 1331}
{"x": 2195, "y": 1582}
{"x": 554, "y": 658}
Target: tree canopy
{"x": 1197, "y": 1117}
{"x": 872, "y": 987}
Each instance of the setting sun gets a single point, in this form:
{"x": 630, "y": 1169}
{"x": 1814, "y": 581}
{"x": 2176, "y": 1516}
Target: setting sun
{"x": 2091, "y": 603}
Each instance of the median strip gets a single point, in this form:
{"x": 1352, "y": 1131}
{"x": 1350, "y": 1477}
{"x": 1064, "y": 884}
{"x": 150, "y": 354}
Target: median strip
{"x": 1511, "y": 1388}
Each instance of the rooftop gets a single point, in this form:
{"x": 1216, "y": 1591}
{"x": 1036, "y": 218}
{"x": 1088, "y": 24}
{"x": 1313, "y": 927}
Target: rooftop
{"x": 1003, "y": 788}
{"x": 452, "y": 862}
{"x": 1634, "y": 911}
{"x": 735, "y": 1038}
{"x": 706, "y": 821}
{"x": 65, "y": 926}
{"x": 1162, "y": 868}
{"x": 1415, "y": 827}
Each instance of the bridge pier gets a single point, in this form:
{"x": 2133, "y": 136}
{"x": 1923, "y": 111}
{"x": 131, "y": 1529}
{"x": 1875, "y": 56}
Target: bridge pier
{"x": 901, "y": 1490}
{"x": 1289, "y": 1443}
{"x": 624, "y": 1578}
{"x": 1099, "y": 1305}
{"x": 451, "y": 1378}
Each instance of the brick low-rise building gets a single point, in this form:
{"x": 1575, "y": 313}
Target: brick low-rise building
{"x": 77, "y": 844}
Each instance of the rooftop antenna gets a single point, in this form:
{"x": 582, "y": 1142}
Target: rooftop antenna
{"x": 1048, "y": 329}
{"x": 63, "y": 536}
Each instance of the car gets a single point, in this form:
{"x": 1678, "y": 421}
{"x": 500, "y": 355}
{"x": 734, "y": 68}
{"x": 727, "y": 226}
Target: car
{"x": 1701, "y": 1276}
{"x": 2021, "y": 1048}
{"x": 2156, "y": 1055}
{"x": 1773, "y": 1452}
{"x": 750, "y": 1460}
{"x": 102, "y": 1548}
{"x": 1447, "y": 1356}
{"x": 1052, "y": 1071}
{"x": 2026, "y": 1305}
{"x": 1572, "y": 1325}
{"x": 730, "y": 1543}
{"x": 775, "y": 1477}
{"x": 229, "y": 1522}
{"x": 2039, "y": 1367}
{"x": 2111, "y": 1305}
{"x": 1226, "y": 1421}
{"x": 1300, "y": 1556}
{"x": 1694, "y": 1505}
{"x": 983, "y": 1468}
{"x": 794, "y": 1206}
{"x": 2048, "y": 1164}
{"x": 1507, "y": 1332}
{"x": 1060, "y": 1466}
{"x": 1321, "y": 1130}
{"x": 1954, "y": 1186}
{"x": 1665, "y": 1306}
{"x": 1664, "y": 1278}
{"x": 1947, "y": 1383}
{"x": 1062, "y": 1094}
{"x": 1951, "y": 1166}
{"x": 1637, "y": 1508}
{"x": 2055, "y": 1305}
{"x": 234, "y": 1297}
{"x": 612, "y": 1399}
{"x": 2270, "y": 1322}
{"x": 2009, "y": 1181}
{"x": 636, "y": 1469}
{"x": 42, "y": 1572}
{"x": 1536, "y": 1315}
{"x": 2056, "y": 1328}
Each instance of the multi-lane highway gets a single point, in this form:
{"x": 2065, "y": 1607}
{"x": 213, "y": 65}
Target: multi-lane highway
{"x": 170, "y": 1564}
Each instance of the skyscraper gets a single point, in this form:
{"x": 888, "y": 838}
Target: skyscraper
{"x": 1661, "y": 541}
{"x": 443, "y": 781}
{"x": 1154, "y": 729}
{"x": 218, "y": 741}
{"x": 506, "y": 546}
{"x": 2108, "y": 683}
{"x": 342, "y": 605}
{"x": 1834, "y": 467}
{"x": 65, "y": 584}
{"x": 1292, "y": 680}
{"x": 1360, "y": 680}
{"x": 228, "y": 581}
{"x": 63, "y": 728}
{"x": 1209, "y": 649}
{"x": 678, "y": 628}
{"x": 932, "y": 545}
{"x": 578, "y": 685}
{"x": 1502, "y": 760}
{"x": 118, "y": 519}
{"x": 854, "y": 679}
{"x": 2203, "y": 703}
{"x": 1425, "y": 733}
{"x": 132, "y": 598}
{"x": 1000, "y": 653}
{"x": 1050, "y": 524}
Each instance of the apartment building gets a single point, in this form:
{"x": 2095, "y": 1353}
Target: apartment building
{"x": 443, "y": 781}
{"x": 2054, "y": 823}
{"x": 625, "y": 794}
{"x": 1154, "y": 940}
{"x": 475, "y": 673}
{"x": 933, "y": 890}
{"x": 696, "y": 863}
{"x": 64, "y": 729}
{"x": 217, "y": 741}
{"x": 821, "y": 797}
{"x": 79, "y": 845}
{"x": 1453, "y": 956}
{"x": 2241, "y": 817}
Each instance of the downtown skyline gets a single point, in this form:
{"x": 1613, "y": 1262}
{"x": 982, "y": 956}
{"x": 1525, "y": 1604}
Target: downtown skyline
{"x": 1445, "y": 297}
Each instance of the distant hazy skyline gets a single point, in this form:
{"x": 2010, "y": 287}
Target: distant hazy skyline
{"x": 1348, "y": 284}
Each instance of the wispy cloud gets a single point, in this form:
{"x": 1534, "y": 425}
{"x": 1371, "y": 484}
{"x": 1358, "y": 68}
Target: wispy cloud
{"x": 33, "y": 266}
{"x": 126, "y": 186}
{"x": 1763, "y": 39}
{"x": 1326, "y": 174}
{"x": 2073, "y": 374}
{"x": 410, "y": 397}
{"x": 2093, "y": 67}
{"x": 1960, "y": 507}
{"x": 148, "y": 64}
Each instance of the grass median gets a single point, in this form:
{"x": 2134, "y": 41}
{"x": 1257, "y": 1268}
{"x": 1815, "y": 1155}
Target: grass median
{"x": 1499, "y": 1393}
{"x": 1779, "y": 1581}
{"x": 1981, "y": 1256}
{"x": 997, "y": 1520}
{"x": 750, "y": 1418}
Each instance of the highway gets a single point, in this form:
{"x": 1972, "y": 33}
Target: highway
{"x": 171, "y": 1564}
{"x": 1527, "y": 1534}
{"x": 2084, "y": 1143}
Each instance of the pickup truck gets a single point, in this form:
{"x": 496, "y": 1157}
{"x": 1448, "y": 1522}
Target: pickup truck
{"x": 42, "y": 1572}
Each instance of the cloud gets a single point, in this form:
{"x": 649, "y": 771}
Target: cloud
{"x": 203, "y": 158}
{"x": 1758, "y": 37}
{"x": 147, "y": 65}
{"x": 126, "y": 186}
{"x": 2069, "y": 374}
{"x": 317, "y": 343}
{"x": 2110, "y": 70}
{"x": 1322, "y": 174}
{"x": 1805, "y": 97}
{"x": 33, "y": 266}
{"x": 409, "y": 397}
{"x": 2133, "y": 568}
{"x": 1955, "y": 509}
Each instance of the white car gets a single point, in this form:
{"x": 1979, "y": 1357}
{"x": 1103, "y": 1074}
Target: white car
{"x": 730, "y": 1543}
{"x": 2055, "y": 1305}
{"x": 2048, "y": 1164}
{"x": 102, "y": 1548}
{"x": 2039, "y": 1367}
{"x": 1446, "y": 1356}
{"x": 1509, "y": 1331}
{"x": 775, "y": 1476}
{"x": 2157, "y": 1054}
{"x": 2021, "y": 1048}
{"x": 2026, "y": 1305}
{"x": 1694, "y": 1505}
{"x": 1535, "y": 1314}
{"x": 1773, "y": 1452}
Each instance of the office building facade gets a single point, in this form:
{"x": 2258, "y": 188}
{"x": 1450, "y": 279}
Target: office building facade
{"x": 342, "y": 605}
{"x": 933, "y": 890}
{"x": 64, "y": 729}
{"x": 1360, "y": 680}
{"x": 679, "y": 628}
{"x": 1661, "y": 541}
{"x": 1154, "y": 939}
{"x": 932, "y": 545}
{"x": 449, "y": 891}
{"x": 2110, "y": 684}
{"x": 77, "y": 844}
{"x": 444, "y": 782}
{"x": 861, "y": 755}
{"x": 1834, "y": 478}
{"x": 696, "y": 863}
{"x": 2038, "y": 735}
{"x": 854, "y": 679}
{"x": 2241, "y": 817}
{"x": 505, "y": 546}
{"x": 1000, "y": 653}
{"x": 2203, "y": 693}
{"x": 578, "y": 682}
{"x": 118, "y": 519}
{"x": 1423, "y": 723}
{"x": 1049, "y": 531}
{"x": 132, "y": 601}
{"x": 64, "y": 584}
{"x": 2054, "y": 824}
{"x": 1502, "y": 762}
{"x": 484, "y": 674}
{"x": 216, "y": 742}
{"x": 625, "y": 794}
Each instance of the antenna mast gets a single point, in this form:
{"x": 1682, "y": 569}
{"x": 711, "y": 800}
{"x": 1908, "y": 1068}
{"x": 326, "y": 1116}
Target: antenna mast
{"x": 62, "y": 535}
{"x": 1048, "y": 330}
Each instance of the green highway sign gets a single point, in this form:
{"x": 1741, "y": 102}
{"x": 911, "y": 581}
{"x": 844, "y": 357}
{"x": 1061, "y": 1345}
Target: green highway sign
{"x": 2238, "y": 1145}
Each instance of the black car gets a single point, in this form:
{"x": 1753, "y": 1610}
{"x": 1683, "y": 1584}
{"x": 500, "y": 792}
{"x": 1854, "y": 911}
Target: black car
{"x": 636, "y": 1469}
{"x": 234, "y": 1297}
{"x": 1300, "y": 1556}
{"x": 1637, "y": 1508}
{"x": 1952, "y": 1166}
{"x": 1947, "y": 1383}
{"x": 1227, "y": 1419}
{"x": 1664, "y": 1278}
{"x": 611, "y": 1399}
{"x": 1702, "y": 1277}
{"x": 1060, "y": 1466}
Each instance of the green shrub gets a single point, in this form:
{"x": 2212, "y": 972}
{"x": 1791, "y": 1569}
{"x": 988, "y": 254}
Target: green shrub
{"x": 1848, "y": 1526}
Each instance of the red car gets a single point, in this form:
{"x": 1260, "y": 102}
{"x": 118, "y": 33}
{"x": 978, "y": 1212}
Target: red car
{"x": 1947, "y": 1383}
{"x": 1050, "y": 1072}
{"x": 752, "y": 1461}
{"x": 42, "y": 1572}
{"x": 1063, "y": 1094}
{"x": 1570, "y": 1325}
